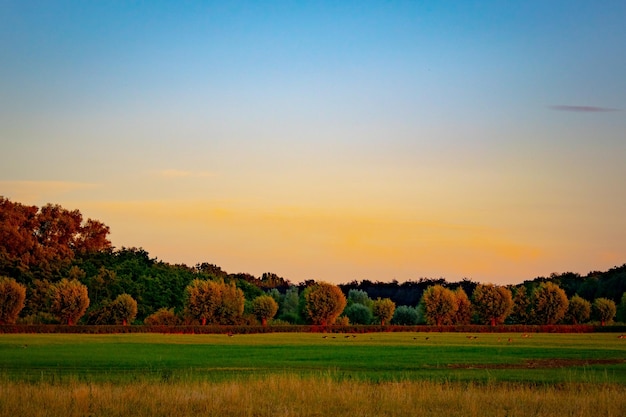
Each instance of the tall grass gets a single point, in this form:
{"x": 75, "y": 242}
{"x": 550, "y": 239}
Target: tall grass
{"x": 289, "y": 395}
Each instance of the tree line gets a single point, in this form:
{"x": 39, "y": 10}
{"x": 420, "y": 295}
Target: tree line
{"x": 56, "y": 267}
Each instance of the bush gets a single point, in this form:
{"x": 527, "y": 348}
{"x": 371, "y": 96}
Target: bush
{"x": 162, "y": 317}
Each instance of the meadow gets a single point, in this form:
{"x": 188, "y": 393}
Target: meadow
{"x": 313, "y": 374}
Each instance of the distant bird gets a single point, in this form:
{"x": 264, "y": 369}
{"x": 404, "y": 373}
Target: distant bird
{"x": 324, "y": 337}
{"x": 353, "y": 335}
{"x": 621, "y": 336}
{"x": 510, "y": 340}
{"x": 427, "y": 338}
{"x": 230, "y": 334}
{"x": 347, "y": 336}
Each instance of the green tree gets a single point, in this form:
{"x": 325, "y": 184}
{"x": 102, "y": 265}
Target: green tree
{"x": 360, "y": 297}
{"x": 162, "y": 317}
{"x": 12, "y": 296}
{"x": 358, "y": 314}
{"x": 324, "y": 302}
{"x": 383, "y": 310}
{"x": 123, "y": 309}
{"x": 604, "y": 310}
{"x": 621, "y": 311}
{"x": 579, "y": 310}
{"x": 439, "y": 305}
{"x": 264, "y": 308}
{"x": 289, "y": 309}
{"x": 230, "y": 311}
{"x": 463, "y": 307}
{"x": 550, "y": 303}
{"x": 405, "y": 316}
{"x": 492, "y": 303}
{"x": 68, "y": 300}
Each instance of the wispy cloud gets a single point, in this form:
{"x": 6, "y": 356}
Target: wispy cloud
{"x": 36, "y": 192}
{"x": 582, "y": 109}
{"x": 177, "y": 173}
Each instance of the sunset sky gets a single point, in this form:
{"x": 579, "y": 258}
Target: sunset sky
{"x": 335, "y": 141}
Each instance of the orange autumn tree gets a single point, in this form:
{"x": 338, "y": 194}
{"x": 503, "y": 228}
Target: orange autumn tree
{"x": 324, "y": 302}
{"x": 68, "y": 300}
{"x": 12, "y": 296}
{"x": 492, "y": 303}
{"x": 439, "y": 305}
{"x": 383, "y": 309}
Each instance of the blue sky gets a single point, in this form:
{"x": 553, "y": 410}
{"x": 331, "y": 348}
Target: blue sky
{"x": 327, "y": 140}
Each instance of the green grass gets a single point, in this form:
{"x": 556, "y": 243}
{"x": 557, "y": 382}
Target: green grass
{"x": 448, "y": 357}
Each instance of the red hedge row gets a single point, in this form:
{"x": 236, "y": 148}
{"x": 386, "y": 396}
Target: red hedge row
{"x": 216, "y": 329}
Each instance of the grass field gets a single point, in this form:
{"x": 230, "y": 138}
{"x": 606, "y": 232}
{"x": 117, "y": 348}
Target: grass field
{"x": 313, "y": 374}
{"x": 541, "y": 358}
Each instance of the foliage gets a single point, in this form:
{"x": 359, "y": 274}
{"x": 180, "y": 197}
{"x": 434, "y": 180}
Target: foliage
{"x": 12, "y": 296}
{"x": 358, "y": 314}
{"x": 383, "y": 310}
{"x": 604, "y": 310}
{"x": 405, "y": 316}
{"x": 521, "y": 306}
{"x": 439, "y": 305}
{"x": 579, "y": 310}
{"x": 264, "y": 308}
{"x": 289, "y": 308}
{"x": 550, "y": 303}
{"x": 162, "y": 317}
{"x": 124, "y": 309}
{"x": 324, "y": 302}
{"x": 359, "y": 297}
{"x": 43, "y": 242}
{"x": 621, "y": 310}
{"x": 492, "y": 303}
{"x": 463, "y": 307}
{"x": 214, "y": 302}
{"x": 68, "y": 300}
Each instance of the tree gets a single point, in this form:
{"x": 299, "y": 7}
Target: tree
{"x": 264, "y": 308}
{"x": 492, "y": 303}
{"x": 521, "y": 306}
{"x": 358, "y": 314}
{"x": 214, "y": 302}
{"x": 463, "y": 307}
{"x": 550, "y": 303}
{"x": 324, "y": 302}
{"x": 579, "y": 310}
{"x": 203, "y": 298}
{"x": 405, "y": 316}
{"x": 12, "y": 296}
{"x": 604, "y": 310}
{"x": 383, "y": 309}
{"x": 359, "y": 297}
{"x": 291, "y": 302}
{"x": 162, "y": 317}
{"x": 621, "y": 311}
{"x": 439, "y": 305}
{"x": 68, "y": 300}
{"x": 123, "y": 309}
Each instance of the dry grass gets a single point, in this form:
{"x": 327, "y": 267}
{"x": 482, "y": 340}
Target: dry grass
{"x": 295, "y": 396}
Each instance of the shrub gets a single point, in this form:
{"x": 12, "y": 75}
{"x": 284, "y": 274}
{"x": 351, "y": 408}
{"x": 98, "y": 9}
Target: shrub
{"x": 162, "y": 317}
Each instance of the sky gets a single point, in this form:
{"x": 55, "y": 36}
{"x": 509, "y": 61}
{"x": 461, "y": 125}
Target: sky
{"x": 334, "y": 141}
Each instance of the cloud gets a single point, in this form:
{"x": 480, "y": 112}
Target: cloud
{"x": 177, "y": 173}
{"x": 582, "y": 109}
{"x": 37, "y": 192}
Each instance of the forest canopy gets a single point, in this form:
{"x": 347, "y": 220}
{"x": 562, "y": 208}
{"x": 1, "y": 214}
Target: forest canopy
{"x": 40, "y": 248}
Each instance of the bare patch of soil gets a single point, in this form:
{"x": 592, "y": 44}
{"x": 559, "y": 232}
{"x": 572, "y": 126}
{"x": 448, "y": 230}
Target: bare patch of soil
{"x": 538, "y": 364}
